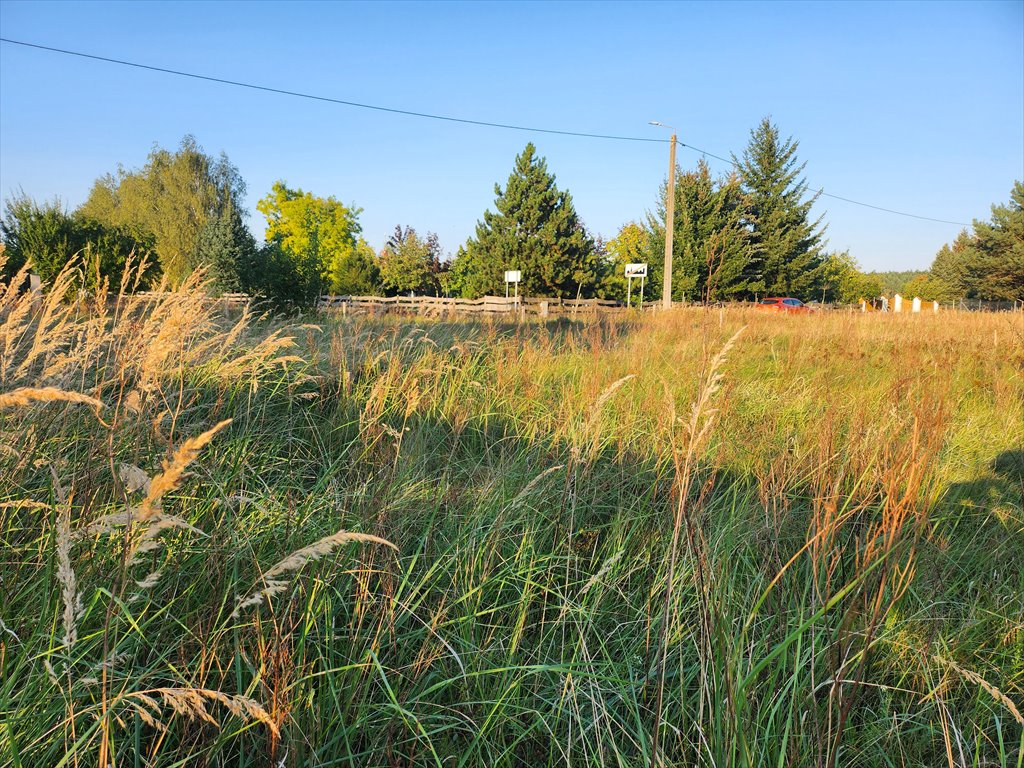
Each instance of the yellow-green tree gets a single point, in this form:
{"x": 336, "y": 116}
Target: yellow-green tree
{"x": 630, "y": 246}
{"x": 843, "y": 281}
{"x": 319, "y": 234}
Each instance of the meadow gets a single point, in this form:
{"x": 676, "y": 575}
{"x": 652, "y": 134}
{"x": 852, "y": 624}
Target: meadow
{"x": 708, "y": 537}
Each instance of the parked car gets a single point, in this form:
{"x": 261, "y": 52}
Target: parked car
{"x": 785, "y": 304}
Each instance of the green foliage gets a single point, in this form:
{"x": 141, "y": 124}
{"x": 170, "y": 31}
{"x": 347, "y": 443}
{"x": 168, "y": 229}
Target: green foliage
{"x": 896, "y": 282}
{"x": 354, "y": 272}
{"x": 410, "y": 263}
{"x": 714, "y": 256}
{"x": 170, "y": 199}
{"x": 843, "y": 282}
{"x": 228, "y": 251}
{"x": 788, "y": 241}
{"x": 989, "y": 263}
{"x": 535, "y": 229}
{"x": 40, "y": 234}
{"x": 318, "y": 235}
{"x": 45, "y": 236}
{"x": 954, "y": 269}
{"x": 629, "y": 246}
{"x": 928, "y": 288}
{"x": 1000, "y": 246}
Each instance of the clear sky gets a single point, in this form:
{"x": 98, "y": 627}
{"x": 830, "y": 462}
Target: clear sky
{"x": 917, "y": 107}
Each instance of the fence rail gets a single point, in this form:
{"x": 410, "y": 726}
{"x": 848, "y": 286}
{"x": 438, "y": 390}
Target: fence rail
{"x": 486, "y": 305}
{"x": 227, "y": 300}
{"x": 432, "y": 306}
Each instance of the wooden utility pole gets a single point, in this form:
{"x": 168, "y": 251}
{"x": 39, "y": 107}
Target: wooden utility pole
{"x": 670, "y": 210}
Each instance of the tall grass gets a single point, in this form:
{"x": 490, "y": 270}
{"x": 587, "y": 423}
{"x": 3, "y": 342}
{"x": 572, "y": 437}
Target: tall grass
{"x": 376, "y": 542}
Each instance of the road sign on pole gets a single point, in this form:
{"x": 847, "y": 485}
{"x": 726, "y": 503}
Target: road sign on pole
{"x": 513, "y": 276}
{"x": 635, "y": 270}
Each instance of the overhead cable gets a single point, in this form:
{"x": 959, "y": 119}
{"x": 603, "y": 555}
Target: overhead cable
{"x": 430, "y": 116}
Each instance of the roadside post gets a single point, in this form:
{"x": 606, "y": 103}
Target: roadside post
{"x": 635, "y": 270}
{"x": 513, "y": 276}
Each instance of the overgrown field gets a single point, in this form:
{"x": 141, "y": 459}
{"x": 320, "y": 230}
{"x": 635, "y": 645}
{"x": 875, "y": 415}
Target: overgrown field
{"x": 706, "y": 537}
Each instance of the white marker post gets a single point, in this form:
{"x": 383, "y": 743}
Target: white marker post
{"x": 513, "y": 276}
{"x": 635, "y": 270}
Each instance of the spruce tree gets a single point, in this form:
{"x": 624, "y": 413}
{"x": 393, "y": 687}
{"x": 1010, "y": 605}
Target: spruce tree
{"x": 227, "y": 249}
{"x": 535, "y": 229}
{"x": 713, "y": 253}
{"x": 788, "y": 240}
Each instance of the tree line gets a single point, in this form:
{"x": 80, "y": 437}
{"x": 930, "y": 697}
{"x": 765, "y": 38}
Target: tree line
{"x": 986, "y": 263}
{"x": 739, "y": 236}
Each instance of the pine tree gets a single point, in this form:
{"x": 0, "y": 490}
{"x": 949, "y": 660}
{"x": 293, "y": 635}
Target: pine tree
{"x": 788, "y": 240}
{"x": 1000, "y": 247}
{"x": 988, "y": 263}
{"x": 954, "y": 268}
{"x": 535, "y": 230}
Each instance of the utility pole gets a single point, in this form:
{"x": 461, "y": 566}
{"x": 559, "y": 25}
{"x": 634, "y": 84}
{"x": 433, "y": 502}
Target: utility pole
{"x": 670, "y": 211}
{"x": 670, "y": 215}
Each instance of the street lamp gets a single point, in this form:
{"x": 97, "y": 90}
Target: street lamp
{"x": 670, "y": 210}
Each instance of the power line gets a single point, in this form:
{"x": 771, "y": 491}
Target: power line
{"x": 823, "y": 193}
{"x": 314, "y": 97}
{"x": 429, "y": 116}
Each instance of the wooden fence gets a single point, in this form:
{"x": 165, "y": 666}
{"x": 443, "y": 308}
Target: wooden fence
{"x": 431, "y": 306}
{"x": 224, "y": 301}
{"x": 487, "y": 305}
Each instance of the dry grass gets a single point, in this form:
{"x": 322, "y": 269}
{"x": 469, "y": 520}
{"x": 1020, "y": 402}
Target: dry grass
{"x": 793, "y": 568}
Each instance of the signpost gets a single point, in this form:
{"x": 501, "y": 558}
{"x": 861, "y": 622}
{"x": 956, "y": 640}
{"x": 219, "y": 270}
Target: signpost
{"x": 513, "y": 276}
{"x": 635, "y": 270}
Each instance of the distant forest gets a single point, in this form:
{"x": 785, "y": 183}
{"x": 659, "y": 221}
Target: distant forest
{"x": 896, "y": 282}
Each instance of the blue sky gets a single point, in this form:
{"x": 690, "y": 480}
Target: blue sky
{"x": 917, "y": 107}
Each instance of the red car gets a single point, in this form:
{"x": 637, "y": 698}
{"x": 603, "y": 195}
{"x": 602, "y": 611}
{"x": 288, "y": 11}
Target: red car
{"x": 785, "y": 304}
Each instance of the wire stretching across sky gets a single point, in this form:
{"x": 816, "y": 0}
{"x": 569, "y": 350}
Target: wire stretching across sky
{"x": 428, "y": 116}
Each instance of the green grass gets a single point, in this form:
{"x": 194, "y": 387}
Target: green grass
{"x": 848, "y": 567}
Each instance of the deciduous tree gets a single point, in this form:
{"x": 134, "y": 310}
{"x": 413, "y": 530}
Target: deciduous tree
{"x": 318, "y": 234}
{"x": 410, "y": 263}
{"x": 170, "y": 199}
{"x": 49, "y": 238}
{"x": 630, "y": 246}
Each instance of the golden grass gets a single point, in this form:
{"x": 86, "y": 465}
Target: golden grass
{"x": 839, "y": 436}
{"x": 27, "y": 395}
{"x": 273, "y": 580}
